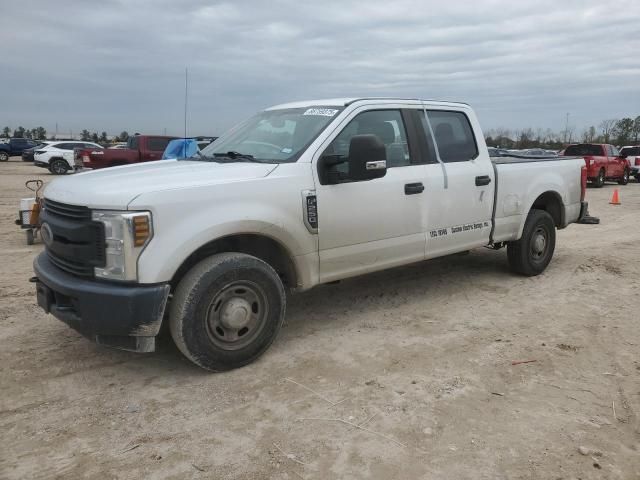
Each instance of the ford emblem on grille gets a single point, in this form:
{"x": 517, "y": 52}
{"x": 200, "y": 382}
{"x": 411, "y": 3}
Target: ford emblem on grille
{"x": 46, "y": 234}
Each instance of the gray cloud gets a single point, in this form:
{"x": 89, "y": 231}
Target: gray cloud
{"x": 115, "y": 65}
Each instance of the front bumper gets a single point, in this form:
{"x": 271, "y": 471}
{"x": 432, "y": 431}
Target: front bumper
{"x": 127, "y": 317}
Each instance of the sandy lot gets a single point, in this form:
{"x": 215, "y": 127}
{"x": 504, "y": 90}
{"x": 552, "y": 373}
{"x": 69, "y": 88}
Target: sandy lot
{"x": 418, "y": 358}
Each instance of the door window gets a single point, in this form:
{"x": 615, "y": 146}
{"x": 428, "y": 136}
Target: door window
{"x": 387, "y": 125}
{"x": 157, "y": 144}
{"x": 613, "y": 151}
{"x": 454, "y": 136}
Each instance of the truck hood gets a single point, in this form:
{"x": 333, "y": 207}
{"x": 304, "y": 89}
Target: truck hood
{"x": 116, "y": 187}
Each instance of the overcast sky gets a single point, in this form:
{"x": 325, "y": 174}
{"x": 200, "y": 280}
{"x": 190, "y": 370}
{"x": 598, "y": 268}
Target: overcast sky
{"x": 119, "y": 65}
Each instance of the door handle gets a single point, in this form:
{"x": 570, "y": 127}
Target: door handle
{"x": 413, "y": 188}
{"x": 483, "y": 180}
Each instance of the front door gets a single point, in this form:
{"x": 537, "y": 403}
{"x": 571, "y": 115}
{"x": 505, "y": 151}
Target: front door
{"x": 369, "y": 225}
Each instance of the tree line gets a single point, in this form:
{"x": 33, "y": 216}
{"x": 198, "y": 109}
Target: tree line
{"x": 40, "y": 133}
{"x": 620, "y": 132}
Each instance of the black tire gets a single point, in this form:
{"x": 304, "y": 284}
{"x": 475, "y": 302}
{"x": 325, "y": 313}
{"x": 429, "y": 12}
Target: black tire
{"x": 58, "y": 166}
{"x": 599, "y": 181}
{"x": 224, "y": 288}
{"x": 625, "y": 178}
{"x": 30, "y": 237}
{"x": 4, "y": 156}
{"x": 532, "y": 253}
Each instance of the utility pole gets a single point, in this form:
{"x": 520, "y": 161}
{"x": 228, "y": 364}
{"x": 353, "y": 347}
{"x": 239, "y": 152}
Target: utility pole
{"x": 186, "y": 90}
{"x": 566, "y": 128}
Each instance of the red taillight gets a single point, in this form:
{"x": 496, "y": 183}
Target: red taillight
{"x": 583, "y": 183}
{"x": 637, "y": 161}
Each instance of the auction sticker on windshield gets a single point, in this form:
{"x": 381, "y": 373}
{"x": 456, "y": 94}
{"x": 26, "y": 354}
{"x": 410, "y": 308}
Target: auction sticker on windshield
{"x": 325, "y": 112}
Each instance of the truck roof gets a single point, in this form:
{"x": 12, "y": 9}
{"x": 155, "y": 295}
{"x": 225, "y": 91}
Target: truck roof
{"x": 343, "y": 102}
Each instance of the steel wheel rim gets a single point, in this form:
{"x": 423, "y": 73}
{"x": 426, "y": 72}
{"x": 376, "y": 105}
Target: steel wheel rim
{"x": 601, "y": 177}
{"x": 539, "y": 243}
{"x": 625, "y": 176}
{"x": 236, "y": 315}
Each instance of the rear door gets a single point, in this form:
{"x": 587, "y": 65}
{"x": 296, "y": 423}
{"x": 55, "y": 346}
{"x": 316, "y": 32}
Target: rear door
{"x": 460, "y": 183}
{"x": 616, "y": 163}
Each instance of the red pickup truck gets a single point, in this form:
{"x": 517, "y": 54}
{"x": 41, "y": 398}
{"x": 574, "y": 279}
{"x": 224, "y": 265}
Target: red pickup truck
{"x": 140, "y": 148}
{"x": 603, "y": 161}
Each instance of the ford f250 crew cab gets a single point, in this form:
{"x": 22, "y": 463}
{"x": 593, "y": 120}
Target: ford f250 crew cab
{"x": 140, "y": 148}
{"x": 299, "y": 195}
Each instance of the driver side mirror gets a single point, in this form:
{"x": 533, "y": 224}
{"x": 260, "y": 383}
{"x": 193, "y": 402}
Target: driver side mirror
{"x": 367, "y": 160}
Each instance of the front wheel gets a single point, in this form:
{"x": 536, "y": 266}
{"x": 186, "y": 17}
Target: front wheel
{"x": 227, "y": 310}
{"x": 532, "y": 253}
{"x": 4, "y": 156}
{"x": 625, "y": 178}
{"x": 58, "y": 166}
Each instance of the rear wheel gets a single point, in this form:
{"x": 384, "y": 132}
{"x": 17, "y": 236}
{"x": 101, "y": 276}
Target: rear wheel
{"x": 4, "y": 156}
{"x": 58, "y": 166}
{"x": 227, "y": 311}
{"x": 625, "y": 178}
{"x": 599, "y": 182}
{"x": 532, "y": 253}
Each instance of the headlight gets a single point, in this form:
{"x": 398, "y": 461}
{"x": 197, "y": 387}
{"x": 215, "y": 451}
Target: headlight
{"x": 126, "y": 235}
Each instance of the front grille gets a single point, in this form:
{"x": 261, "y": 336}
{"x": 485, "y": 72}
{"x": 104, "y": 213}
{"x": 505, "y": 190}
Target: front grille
{"x": 74, "y": 267}
{"x": 78, "y": 244}
{"x": 71, "y": 212}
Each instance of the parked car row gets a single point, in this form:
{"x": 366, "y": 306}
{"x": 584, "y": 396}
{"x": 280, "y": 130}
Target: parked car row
{"x": 57, "y": 157}
{"x": 68, "y": 155}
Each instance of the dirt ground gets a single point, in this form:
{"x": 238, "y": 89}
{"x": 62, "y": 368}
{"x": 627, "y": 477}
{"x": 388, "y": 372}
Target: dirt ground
{"x": 404, "y": 374}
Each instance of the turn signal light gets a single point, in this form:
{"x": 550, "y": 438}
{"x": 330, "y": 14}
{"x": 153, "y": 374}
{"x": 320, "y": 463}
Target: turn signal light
{"x": 141, "y": 230}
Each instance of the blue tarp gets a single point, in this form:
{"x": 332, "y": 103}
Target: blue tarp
{"x": 181, "y": 148}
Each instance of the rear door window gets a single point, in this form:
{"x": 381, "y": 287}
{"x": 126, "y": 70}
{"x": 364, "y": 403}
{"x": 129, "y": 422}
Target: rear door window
{"x": 583, "y": 150}
{"x": 157, "y": 144}
{"x": 453, "y": 135}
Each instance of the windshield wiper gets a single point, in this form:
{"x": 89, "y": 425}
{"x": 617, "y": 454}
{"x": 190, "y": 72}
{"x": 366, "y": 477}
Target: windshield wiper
{"x": 235, "y": 156}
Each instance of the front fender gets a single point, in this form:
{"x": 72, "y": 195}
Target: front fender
{"x": 184, "y": 221}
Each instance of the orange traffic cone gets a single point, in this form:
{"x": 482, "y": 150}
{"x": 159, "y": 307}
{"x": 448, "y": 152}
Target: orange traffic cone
{"x": 615, "y": 199}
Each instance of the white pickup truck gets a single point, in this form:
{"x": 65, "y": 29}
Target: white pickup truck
{"x": 298, "y": 195}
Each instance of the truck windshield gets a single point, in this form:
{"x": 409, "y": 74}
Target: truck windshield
{"x": 271, "y": 136}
